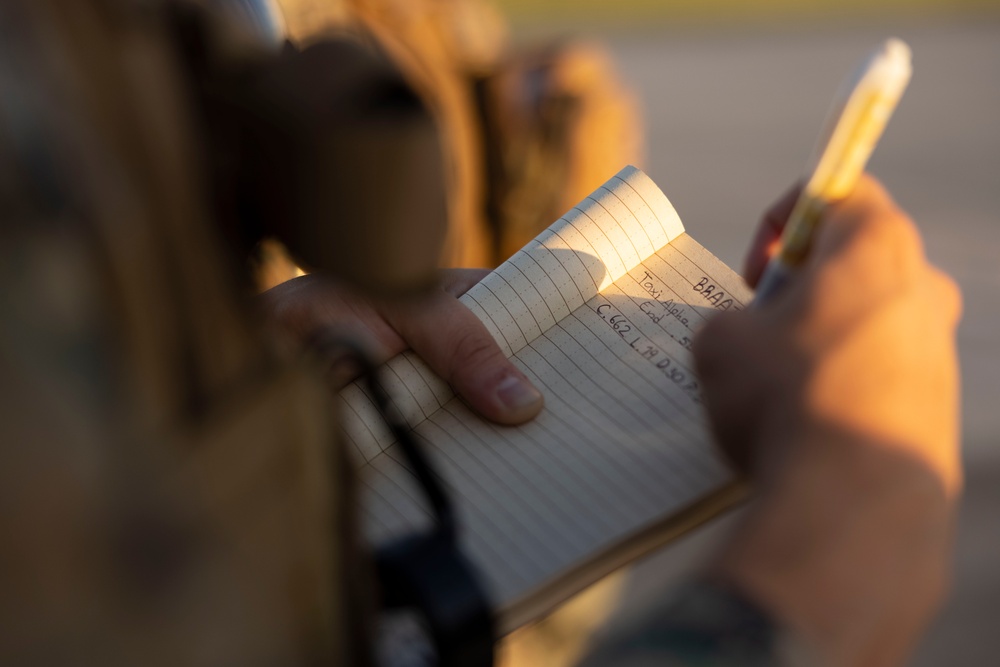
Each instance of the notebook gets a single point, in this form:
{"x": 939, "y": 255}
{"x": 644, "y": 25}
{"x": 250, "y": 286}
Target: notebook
{"x": 599, "y": 311}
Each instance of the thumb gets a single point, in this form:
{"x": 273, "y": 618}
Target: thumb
{"x": 458, "y": 347}
{"x": 767, "y": 238}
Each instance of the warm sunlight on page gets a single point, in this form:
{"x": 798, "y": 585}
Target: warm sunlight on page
{"x": 599, "y": 312}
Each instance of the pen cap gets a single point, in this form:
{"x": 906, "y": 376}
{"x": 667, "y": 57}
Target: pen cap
{"x": 858, "y": 121}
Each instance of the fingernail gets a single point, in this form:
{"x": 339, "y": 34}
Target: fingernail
{"x": 517, "y": 394}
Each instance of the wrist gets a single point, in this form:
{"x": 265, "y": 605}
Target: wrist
{"x": 847, "y": 543}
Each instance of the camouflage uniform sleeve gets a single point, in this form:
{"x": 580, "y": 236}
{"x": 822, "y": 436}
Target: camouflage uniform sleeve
{"x": 703, "y": 623}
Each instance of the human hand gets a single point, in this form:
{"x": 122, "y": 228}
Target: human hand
{"x": 436, "y": 326}
{"x": 841, "y": 397}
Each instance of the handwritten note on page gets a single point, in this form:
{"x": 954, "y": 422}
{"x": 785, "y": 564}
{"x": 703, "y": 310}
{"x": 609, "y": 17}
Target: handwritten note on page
{"x": 599, "y": 311}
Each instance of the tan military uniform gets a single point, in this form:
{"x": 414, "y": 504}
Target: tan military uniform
{"x": 170, "y": 480}
{"x": 171, "y": 493}
{"x": 525, "y": 135}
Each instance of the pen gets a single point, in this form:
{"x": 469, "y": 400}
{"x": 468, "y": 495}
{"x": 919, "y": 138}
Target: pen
{"x": 855, "y": 125}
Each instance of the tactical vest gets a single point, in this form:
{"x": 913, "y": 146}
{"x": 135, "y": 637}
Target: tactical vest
{"x": 526, "y": 133}
{"x": 172, "y": 492}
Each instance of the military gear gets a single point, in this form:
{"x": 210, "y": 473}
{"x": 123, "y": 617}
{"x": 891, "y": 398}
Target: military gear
{"x": 524, "y": 134}
{"x": 171, "y": 479}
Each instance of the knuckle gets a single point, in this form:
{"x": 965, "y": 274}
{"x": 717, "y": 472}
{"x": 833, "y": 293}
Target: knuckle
{"x": 871, "y": 219}
{"x": 886, "y": 250}
{"x": 948, "y": 295}
{"x": 473, "y": 350}
{"x": 456, "y": 282}
{"x": 283, "y": 306}
{"x": 905, "y": 234}
{"x": 906, "y": 250}
{"x": 892, "y": 231}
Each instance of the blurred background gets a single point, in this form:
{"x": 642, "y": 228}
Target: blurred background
{"x": 733, "y": 95}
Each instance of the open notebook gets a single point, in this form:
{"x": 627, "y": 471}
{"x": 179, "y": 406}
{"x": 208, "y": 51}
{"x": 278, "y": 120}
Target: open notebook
{"x": 599, "y": 311}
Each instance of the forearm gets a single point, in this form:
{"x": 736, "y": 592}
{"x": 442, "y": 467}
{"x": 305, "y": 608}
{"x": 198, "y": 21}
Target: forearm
{"x": 854, "y": 560}
{"x": 841, "y": 398}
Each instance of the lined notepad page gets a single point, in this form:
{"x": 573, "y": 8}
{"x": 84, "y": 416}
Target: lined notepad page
{"x": 599, "y": 312}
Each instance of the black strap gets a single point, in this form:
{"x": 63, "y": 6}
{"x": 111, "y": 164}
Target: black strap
{"x": 427, "y": 573}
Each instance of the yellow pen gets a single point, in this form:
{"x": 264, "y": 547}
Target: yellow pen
{"x": 855, "y": 126}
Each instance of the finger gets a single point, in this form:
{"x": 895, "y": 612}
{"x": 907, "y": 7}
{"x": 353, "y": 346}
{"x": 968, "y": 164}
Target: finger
{"x": 766, "y": 240}
{"x": 459, "y": 281}
{"x": 728, "y": 341}
{"x": 310, "y": 304}
{"x": 947, "y": 297}
{"x": 457, "y": 346}
{"x": 867, "y": 251}
{"x": 867, "y": 219}
{"x": 869, "y": 240}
